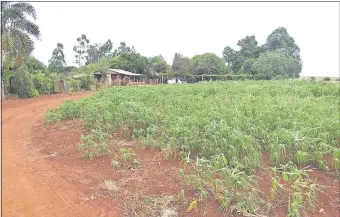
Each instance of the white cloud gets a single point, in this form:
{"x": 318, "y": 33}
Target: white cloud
{"x": 192, "y": 28}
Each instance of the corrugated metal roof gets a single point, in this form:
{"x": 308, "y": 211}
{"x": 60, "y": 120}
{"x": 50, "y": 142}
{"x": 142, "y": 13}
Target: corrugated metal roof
{"x": 120, "y": 71}
{"x": 80, "y": 75}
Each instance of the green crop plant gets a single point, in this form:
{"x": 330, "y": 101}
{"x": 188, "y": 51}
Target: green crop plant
{"x": 336, "y": 158}
{"x": 227, "y": 125}
{"x": 95, "y": 144}
{"x": 125, "y": 157}
{"x": 181, "y": 195}
{"x": 115, "y": 163}
{"x": 52, "y": 116}
{"x": 301, "y": 157}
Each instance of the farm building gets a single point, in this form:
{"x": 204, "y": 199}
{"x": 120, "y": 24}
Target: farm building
{"x": 118, "y": 77}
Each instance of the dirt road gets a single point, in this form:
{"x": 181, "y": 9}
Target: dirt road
{"x": 27, "y": 191}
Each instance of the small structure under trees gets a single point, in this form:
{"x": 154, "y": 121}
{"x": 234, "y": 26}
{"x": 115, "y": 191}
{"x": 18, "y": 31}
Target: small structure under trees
{"x": 118, "y": 77}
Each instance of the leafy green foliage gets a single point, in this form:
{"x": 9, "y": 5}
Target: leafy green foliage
{"x": 207, "y": 63}
{"x": 52, "y": 116}
{"x": 44, "y": 83}
{"x": 280, "y": 39}
{"x": 17, "y": 25}
{"x": 125, "y": 157}
{"x": 22, "y": 84}
{"x": 94, "y": 144}
{"x": 75, "y": 84}
{"x": 132, "y": 62}
{"x": 81, "y": 50}
{"x": 242, "y": 61}
{"x": 181, "y": 67}
{"x": 159, "y": 65}
{"x": 214, "y": 118}
{"x": 277, "y": 65}
{"x": 227, "y": 125}
{"x": 248, "y": 47}
{"x": 57, "y": 61}
{"x": 123, "y": 49}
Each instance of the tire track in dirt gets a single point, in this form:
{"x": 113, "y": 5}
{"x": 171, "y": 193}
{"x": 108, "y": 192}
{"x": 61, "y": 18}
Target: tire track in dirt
{"x": 27, "y": 190}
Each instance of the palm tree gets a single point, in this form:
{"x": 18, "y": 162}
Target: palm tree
{"x": 16, "y": 29}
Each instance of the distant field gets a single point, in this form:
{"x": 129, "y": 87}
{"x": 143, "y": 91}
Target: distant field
{"x": 225, "y": 130}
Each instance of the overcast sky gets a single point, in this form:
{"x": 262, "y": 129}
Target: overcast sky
{"x": 192, "y": 28}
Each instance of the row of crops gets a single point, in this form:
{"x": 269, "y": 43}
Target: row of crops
{"x": 224, "y": 127}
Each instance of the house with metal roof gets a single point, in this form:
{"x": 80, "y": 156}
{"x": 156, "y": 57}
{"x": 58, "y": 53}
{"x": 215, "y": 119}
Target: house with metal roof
{"x": 118, "y": 77}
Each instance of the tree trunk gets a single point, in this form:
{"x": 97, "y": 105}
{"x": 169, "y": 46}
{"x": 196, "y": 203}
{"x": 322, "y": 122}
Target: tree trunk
{"x": 3, "y": 97}
{"x": 176, "y": 80}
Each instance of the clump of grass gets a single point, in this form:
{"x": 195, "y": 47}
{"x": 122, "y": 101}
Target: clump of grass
{"x": 52, "y": 116}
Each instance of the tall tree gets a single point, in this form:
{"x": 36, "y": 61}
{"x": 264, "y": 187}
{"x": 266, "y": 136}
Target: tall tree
{"x": 277, "y": 64}
{"x": 57, "y": 61}
{"x": 233, "y": 58}
{"x": 94, "y": 54}
{"x": 133, "y": 62}
{"x": 124, "y": 49}
{"x": 81, "y": 50}
{"x": 228, "y": 55}
{"x": 248, "y": 46}
{"x": 17, "y": 28}
{"x": 181, "y": 67}
{"x": 106, "y": 48}
{"x": 207, "y": 63}
{"x": 159, "y": 65}
{"x": 249, "y": 49}
{"x": 280, "y": 39}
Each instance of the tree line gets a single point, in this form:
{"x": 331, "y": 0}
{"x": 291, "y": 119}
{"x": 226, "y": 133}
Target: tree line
{"x": 278, "y": 58}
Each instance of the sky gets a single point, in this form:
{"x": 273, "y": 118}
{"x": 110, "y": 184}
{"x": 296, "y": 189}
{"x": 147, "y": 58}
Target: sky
{"x": 160, "y": 28}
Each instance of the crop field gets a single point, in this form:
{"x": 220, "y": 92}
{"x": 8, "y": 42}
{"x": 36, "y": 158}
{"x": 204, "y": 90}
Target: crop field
{"x": 224, "y": 132}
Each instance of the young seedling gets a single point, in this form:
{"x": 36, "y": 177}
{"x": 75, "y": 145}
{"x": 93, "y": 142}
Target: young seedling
{"x": 181, "y": 195}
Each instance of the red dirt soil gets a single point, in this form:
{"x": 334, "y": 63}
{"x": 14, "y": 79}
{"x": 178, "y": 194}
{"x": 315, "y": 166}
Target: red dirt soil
{"x": 45, "y": 175}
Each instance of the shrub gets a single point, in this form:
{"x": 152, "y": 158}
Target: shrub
{"x": 22, "y": 84}
{"x": 75, "y": 85}
{"x": 86, "y": 82}
{"x": 43, "y": 83}
{"x": 326, "y": 78}
{"x": 312, "y": 78}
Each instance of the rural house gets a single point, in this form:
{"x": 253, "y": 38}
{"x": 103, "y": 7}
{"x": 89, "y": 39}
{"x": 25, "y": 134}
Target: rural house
{"x": 118, "y": 77}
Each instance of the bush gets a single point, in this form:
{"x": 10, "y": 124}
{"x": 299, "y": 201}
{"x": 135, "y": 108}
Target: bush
{"x": 85, "y": 83}
{"x": 75, "y": 85}
{"x": 43, "y": 83}
{"x": 312, "y": 78}
{"x": 326, "y": 78}
{"x": 261, "y": 77}
{"x": 22, "y": 84}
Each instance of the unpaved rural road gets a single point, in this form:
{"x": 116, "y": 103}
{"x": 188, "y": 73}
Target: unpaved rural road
{"x": 30, "y": 188}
